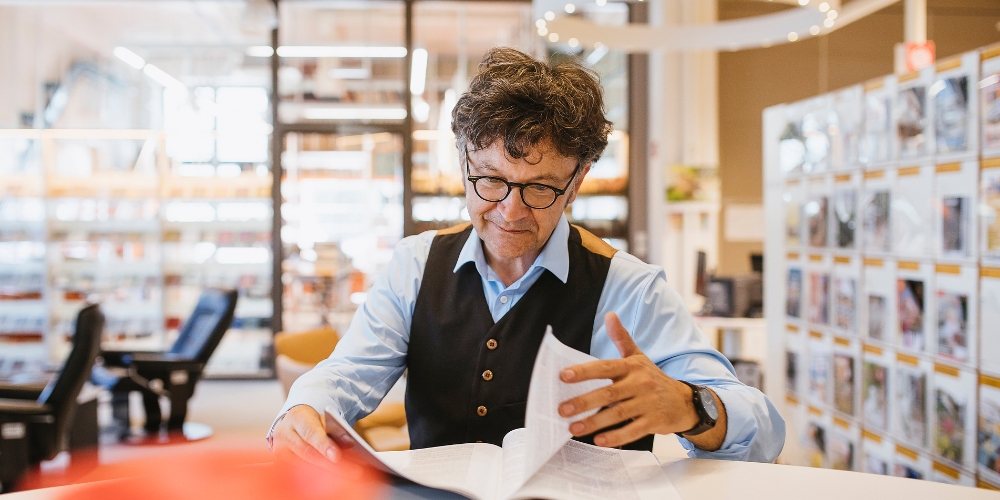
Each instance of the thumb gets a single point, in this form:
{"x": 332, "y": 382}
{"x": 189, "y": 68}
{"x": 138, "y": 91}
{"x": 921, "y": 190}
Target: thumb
{"x": 620, "y": 336}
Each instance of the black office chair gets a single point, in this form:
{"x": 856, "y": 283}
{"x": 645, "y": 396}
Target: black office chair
{"x": 36, "y": 430}
{"x": 172, "y": 374}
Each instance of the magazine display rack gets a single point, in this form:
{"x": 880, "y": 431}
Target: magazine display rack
{"x": 883, "y": 315}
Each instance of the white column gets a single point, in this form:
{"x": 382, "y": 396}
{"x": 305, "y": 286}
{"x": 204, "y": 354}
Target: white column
{"x": 684, "y": 118}
{"x": 915, "y": 20}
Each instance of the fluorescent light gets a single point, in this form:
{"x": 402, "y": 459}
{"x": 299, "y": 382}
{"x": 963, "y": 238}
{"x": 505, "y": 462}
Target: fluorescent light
{"x": 328, "y": 51}
{"x": 130, "y": 58}
{"x": 161, "y": 77}
{"x": 346, "y": 113}
{"x": 432, "y": 135}
{"x": 597, "y": 55}
{"x": 418, "y": 74}
{"x": 260, "y": 51}
{"x": 421, "y": 110}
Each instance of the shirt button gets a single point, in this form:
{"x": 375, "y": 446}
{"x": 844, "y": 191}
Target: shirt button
{"x": 503, "y": 299}
{"x": 481, "y": 411}
{"x": 487, "y": 375}
{"x": 491, "y": 344}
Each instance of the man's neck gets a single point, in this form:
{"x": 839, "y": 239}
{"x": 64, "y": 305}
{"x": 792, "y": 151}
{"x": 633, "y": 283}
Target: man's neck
{"x": 510, "y": 270}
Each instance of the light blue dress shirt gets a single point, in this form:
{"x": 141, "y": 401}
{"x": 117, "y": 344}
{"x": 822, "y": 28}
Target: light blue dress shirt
{"x": 371, "y": 356}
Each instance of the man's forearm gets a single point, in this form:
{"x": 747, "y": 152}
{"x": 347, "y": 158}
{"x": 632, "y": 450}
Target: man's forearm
{"x": 713, "y": 438}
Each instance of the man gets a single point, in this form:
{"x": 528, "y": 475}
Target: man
{"x": 465, "y": 309}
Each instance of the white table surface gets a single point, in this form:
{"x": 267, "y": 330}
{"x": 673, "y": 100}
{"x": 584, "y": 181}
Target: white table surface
{"x": 718, "y": 480}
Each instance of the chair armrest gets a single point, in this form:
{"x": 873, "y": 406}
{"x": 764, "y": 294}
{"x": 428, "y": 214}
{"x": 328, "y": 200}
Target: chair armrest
{"x": 24, "y": 408}
{"x": 155, "y": 365}
{"x": 121, "y": 358}
{"x": 21, "y": 391}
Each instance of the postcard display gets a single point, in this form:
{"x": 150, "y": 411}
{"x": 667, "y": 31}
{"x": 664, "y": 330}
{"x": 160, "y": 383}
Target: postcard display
{"x": 884, "y": 316}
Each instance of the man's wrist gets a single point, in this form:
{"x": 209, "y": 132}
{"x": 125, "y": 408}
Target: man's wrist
{"x": 706, "y": 412}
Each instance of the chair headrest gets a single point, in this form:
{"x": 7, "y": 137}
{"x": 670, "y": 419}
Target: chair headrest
{"x": 205, "y": 327}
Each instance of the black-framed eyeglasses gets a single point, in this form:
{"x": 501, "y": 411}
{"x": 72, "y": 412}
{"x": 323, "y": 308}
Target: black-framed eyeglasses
{"x": 533, "y": 194}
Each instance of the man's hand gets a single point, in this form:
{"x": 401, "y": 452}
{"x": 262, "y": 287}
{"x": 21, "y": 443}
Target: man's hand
{"x": 640, "y": 392}
{"x": 301, "y": 435}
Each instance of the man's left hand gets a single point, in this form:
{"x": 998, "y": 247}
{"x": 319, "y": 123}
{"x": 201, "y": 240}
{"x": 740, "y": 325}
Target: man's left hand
{"x": 640, "y": 394}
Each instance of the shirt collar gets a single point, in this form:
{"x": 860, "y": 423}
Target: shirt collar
{"x": 554, "y": 255}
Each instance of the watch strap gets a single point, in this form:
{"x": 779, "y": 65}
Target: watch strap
{"x": 705, "y": 422}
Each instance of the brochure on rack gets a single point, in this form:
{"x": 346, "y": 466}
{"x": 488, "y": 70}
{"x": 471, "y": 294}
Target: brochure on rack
{"x": 538, "y": 461}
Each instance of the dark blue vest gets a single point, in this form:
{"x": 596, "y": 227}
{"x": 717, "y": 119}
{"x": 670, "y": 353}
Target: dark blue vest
{"x": 468, "y": 376}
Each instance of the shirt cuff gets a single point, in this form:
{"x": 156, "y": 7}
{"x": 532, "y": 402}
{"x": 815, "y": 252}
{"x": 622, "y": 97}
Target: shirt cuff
{"x": 754, "y": 431}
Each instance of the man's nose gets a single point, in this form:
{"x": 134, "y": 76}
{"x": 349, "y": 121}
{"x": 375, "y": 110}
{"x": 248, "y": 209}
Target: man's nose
{"x": 512, "y": 207}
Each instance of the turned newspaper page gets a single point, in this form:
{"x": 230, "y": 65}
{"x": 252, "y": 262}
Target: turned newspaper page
{"x": 471, "y": 469}
{"x": 583, "y": 471}
{"x": 547, "y": 431}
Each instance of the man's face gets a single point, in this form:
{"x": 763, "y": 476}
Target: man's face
{"x": 509, "y": 228}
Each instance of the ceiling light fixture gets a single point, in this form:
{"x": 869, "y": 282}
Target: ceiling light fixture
{"x": 570, "y": 8}
{"x": 553, "y": 37}
{"x": 130, "y": 58}
{"x": 260, "y": 51}
{"x": 418, "y": 72}
{"x": 814, "y": 30}
{"x": 793, "y": 36}
{"x": 550, "y": 15}
{"x": 161, "y": 77}
{"x": 599, "y": 52}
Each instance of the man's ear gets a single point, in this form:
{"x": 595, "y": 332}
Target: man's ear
{"x": 577, "y": 182}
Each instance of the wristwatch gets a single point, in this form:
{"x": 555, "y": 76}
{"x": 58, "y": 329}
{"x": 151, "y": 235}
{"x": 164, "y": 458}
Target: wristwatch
{"x": 704, "y": 406}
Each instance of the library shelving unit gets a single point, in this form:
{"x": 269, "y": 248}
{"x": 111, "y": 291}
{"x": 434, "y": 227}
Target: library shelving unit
{"x": 106, "y": 215}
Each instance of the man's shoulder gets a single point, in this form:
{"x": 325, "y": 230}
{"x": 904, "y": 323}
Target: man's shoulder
{"x": 419, "y": 245}
{"x": 626, "y": 267}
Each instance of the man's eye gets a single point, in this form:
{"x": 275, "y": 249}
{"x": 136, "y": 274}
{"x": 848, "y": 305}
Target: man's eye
{"x": 538, "y": 189}
{"x": 492, "y": 181}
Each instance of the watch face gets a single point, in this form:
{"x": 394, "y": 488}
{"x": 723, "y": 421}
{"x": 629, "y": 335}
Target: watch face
{"x": 708, "y": 402}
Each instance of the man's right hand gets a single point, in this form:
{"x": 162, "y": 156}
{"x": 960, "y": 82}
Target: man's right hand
{"x": 301, "y": 435}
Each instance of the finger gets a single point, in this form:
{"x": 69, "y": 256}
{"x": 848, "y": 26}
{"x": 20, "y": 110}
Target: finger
{"x": 598, "y": 398}
{"x": 291, "y": 448}
{"x": 607, "y": 417}
{"x": 619, "y": 336}
{"x": 638, "y": 429}
{"x": 313, "y": 433}
{"x": 613, "y": 369}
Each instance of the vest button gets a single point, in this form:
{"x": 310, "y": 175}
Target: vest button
{"x": 481, "y": 411}
{"x": 487, "y": 375}
{"x": 491, "y": 344}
